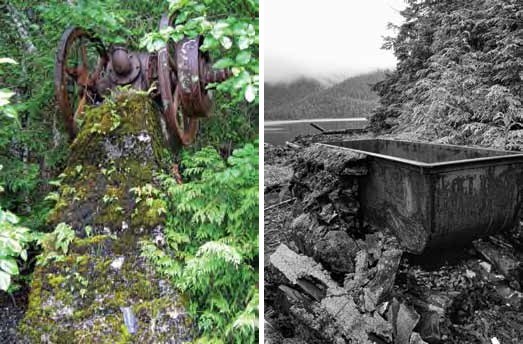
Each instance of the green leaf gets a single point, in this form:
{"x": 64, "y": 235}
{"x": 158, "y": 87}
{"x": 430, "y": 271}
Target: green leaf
{"x": 175, "y": 5}
{"x": 223, "y": 63}
{"x": 13, "y": 245}
{"x": 9, "y": 266}
{"x": 10, "y": 112}
{"x": 10, "y": 217}
{"x": 55, "y": 182}
{"x": 250, "y": 93}
{"x": 88, "y": 230}
{"x": 243, "y": 57}
{"x": 52, "y": 196}
{"x": 226, "y": 42}
{"x": 7, "y": 60}
{"x": 4, "y": 97}
{"x": 243, "y": 43}
{"x": 219, "y": 29}
{"x": 209, "y": 43}
{"x": 5, "y": 280}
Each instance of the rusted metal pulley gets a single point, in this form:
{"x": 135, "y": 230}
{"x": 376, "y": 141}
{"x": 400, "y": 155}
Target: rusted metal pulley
{"x": 80, "y": 60}
{"x": 85, "y": 71}
{"x": 182, "y": 127}
{"x": 183, "y": 84}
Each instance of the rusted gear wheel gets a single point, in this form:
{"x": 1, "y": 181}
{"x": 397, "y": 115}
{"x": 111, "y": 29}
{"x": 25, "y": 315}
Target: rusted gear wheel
{"x": 191, "y": 69}
{"x": 181, "y": 127}
{"x": 80, "y": 60}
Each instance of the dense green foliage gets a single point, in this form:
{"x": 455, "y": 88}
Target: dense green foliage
{"x": 214, "y": 249}
{"x": 211, "y": 236}
{"x": 230, "y": 30}
{"x": 301, "y": 99}
{"x": 14, "y": 239}
{"x": 211, "y": 247}
{"x": 211, "y": 241}
{"x": 55, "y": 244}
{"x": 280, "y": 94}
{"x": 32, "y": 146}
{"x": 6, "y": 109}
{"x": 33, "y": 150}
{"x": 458, "y": 77}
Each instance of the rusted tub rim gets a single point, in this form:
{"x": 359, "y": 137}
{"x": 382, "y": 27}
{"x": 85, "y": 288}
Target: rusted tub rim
{"x": 508, "y": 157}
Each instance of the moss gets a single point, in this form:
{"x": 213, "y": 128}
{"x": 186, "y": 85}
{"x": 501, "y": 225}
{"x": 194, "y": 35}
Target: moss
{"x": 126, "y": 337}
{"x": 126, "y": 244}
{"x": 106, "y": 330}
{"x": 84, "y": 244}
{"x": 88, "y": 181}
{"x": 80, "y": 296}
{"x": 126, "y": 114}
{"x": 114, "y": 192}
{"x": 131, "y": 286}
{"x": 111, "y": 216}
{"x": 148, "y": 216}
{"x": 53, "y": 217}
{"x": 137, "y": 171}
{"x": 56, "y": 281}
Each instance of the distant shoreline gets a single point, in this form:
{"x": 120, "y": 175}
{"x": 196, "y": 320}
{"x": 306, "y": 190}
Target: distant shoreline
{"x": 320, "y": 120}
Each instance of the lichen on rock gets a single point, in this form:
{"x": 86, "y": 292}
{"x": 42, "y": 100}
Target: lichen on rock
{"x": 80, "y": 298}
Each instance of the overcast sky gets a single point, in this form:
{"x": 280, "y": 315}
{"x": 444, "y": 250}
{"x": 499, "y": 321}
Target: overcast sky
{"x": 326, "y": 38}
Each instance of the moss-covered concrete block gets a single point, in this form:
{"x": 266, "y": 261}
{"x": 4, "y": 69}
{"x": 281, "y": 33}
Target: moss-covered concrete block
{"x": 82, "y": 297}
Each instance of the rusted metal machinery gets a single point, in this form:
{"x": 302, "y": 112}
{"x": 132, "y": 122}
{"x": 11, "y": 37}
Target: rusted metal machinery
{"x": 86, "y": 71}
{"x": 433, "y": 195}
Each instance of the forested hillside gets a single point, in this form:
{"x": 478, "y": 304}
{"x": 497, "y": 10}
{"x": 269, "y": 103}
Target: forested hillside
{"x": 280, "y": 94}
{"x": 459, "y": 74}
{"x": 350, "y": 98}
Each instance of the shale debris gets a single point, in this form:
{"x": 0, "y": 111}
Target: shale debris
{"x": 332, "y": 278}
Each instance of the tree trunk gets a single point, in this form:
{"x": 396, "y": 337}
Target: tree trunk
{"x": 20, "y": 28}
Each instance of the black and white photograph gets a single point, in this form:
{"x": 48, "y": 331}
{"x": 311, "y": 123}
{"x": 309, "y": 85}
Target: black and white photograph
{"x": 393, "y": 171}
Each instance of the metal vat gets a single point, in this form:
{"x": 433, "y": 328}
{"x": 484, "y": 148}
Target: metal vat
{"x": 433, "y": 194}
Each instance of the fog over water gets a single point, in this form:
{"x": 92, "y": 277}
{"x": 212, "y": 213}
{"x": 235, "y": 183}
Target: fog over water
{"x": 328, "y": 40}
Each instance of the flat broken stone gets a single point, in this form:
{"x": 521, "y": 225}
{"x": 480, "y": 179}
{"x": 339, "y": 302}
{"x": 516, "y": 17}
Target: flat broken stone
{"x": 503, "y": 258}
{"x": 336, "y": 303}
{"x": 353, "y": 324}
{"x": 295, "y": 266}
{"x": 276, "y": 175}
{"x": 335, "y": 159}
{"x": 381, "y": 285}
{"x": 404, "y": 319}
{"x": 429, "y": 327}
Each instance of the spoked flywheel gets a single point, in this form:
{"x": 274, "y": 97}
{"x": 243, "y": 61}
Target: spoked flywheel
{"x": 80, "y": 60}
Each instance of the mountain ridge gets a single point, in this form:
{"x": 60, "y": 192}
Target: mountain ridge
{"x": 309, "y": 98}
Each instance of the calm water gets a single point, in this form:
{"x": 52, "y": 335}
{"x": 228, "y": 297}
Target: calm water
{"x": 277, "y": 132}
